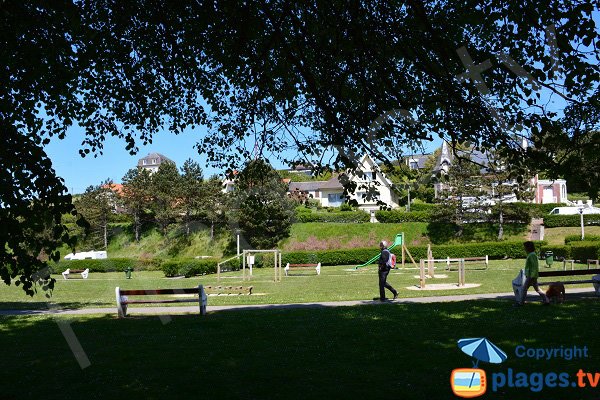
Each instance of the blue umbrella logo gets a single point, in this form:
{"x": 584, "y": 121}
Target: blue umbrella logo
{"x": 482, "y": 349}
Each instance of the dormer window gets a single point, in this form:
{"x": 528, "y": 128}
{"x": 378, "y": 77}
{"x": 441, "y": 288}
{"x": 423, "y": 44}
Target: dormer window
{"x": 369, "y": 176}
{"x": 144, "y": 162}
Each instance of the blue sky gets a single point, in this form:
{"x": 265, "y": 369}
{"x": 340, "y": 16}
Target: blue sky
{"x": 79, "y": 173}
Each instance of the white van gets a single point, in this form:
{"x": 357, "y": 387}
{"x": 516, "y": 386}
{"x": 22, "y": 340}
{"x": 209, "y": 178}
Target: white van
{"x": 575, "y": 210}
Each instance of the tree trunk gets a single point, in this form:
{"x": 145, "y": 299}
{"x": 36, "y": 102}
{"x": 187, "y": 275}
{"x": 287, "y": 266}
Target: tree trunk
{"x": 501, "y": 227}
{"x": 212, "y": 230}
{"x": 136, "y": 224}
{"x": 105, "y": 235}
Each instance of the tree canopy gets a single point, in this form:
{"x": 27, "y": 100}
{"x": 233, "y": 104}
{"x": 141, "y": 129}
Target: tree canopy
{"x": 265, "y": 77}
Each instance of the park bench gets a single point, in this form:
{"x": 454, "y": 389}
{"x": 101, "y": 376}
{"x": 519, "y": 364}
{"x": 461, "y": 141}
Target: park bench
{"x": 482, "y": 262}
{"x": 577, "y": 272}
{"x": 228, "y": 290}
{"x": 201, "y": 291}
{"x": 84, "y": 273}
{"x": 290, "y": 267}
{"x": 123, "y": 300}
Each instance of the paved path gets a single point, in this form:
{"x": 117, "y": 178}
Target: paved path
{"x": 579, "y": 293}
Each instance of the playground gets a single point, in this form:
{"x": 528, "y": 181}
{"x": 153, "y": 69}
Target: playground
{"x": 305, "y": 350}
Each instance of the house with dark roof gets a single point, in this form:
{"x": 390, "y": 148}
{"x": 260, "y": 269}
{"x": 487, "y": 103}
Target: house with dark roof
{"x": 152, "y": 161}
{"x": 368, "y": 178}
{"x": 545, "y": 191}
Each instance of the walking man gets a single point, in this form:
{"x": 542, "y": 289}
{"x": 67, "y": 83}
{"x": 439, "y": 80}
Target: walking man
{"x": 531, "y": 273}
{"x": 384, "y": 270}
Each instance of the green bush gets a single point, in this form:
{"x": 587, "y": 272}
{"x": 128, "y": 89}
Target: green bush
{"x": 584, "y": 251}
{"x": 555, "y": 221}
{"x": 423, "y": 207}
{"x": 108, "y": 265}
{"x": 542, "y": 210}
{"x": 560, "y": 251}
{"x": 398, "y": 216}
{"x": 334, "y": 216}
{"x": 577, "y": 238}
{"x": 189, "y": 267}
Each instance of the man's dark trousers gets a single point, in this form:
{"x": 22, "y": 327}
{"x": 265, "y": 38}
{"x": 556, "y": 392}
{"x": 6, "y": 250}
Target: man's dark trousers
{"x": 383, "y": 284}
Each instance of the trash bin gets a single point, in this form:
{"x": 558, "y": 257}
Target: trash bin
{"x": 549, "y": 258}
{"x": 128, "y": 272}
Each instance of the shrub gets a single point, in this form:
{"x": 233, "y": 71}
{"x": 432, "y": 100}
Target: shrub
{"x": 189, "y": 267}
{"x": 339, "y": 216}
{"x": 108, "y": 265}
{"x": 584, "y": 251}
{"x": 346, "y": 207}
{"x": 577, "y": 238}
{"x": 560, "y": 251}
{"x": 423, "y": 207}
{"x": 555, "y": 221}
{"x": 398, "y": 216}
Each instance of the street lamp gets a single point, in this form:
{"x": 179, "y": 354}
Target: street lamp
{"x": 581, "y": 216}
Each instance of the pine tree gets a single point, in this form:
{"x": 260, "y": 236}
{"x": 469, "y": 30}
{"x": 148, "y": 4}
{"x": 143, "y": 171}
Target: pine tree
{"x": 137, "y": 196}
{"x": 214, "y": 206}
{"x": 191, "y": 195}
{"x": 264, "y": 212}
{"x": 166, "y": 187}
{"x": 96, "y": 205}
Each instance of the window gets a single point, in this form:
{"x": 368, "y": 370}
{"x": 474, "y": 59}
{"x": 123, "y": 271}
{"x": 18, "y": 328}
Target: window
{"x": 369, "y": 176}
{"x": 154, "y": 161}
{"x": 335, "y": 199}
{"x": 143, "y": 162}
{"x": 413, "y": 164}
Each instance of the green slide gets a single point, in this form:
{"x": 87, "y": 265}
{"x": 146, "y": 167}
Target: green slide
{"x": 397, "y": 242}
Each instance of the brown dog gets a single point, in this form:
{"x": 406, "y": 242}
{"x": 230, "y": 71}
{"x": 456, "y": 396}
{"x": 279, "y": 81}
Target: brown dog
{"x": 556, "y": 292}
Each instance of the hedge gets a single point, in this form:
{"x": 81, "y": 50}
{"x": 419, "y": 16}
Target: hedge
{"x": 576, "y": 251}
{"x": 577, "y": 238}
{"x": 189, "y": 267}
{"x": 107, "y": 265}
{"x": 336, "y": 216}
{"x": 398, "y": 216}
{"x": 555, "y": 220}
{"x": 494, "y": 250}
{"x": 423, "y": 207}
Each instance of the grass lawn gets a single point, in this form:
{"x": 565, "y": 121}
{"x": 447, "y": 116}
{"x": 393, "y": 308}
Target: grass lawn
{"x": 399, "y": 351}
{"x": 334, "y": 284}
{"x": 314, "y": 235}
{"x": 557, "y": 235}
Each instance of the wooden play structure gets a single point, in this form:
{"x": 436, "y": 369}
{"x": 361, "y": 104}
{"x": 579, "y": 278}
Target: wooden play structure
{"x": 398, "y": 242}
{"x": 248, "y": 260}
{"x": 459, "y": 263}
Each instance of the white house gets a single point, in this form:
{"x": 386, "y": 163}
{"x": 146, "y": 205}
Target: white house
{"x": 331, "y": 193}
{"x": 549, "y": 191}
{"x": 152, "y": 161}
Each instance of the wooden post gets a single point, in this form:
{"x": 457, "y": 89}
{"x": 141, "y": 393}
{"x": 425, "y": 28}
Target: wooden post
{"x": 461, "y": 272}
{"x": 430, "y": 261}
{"x": 202, "y": 300}
{"x": 422, "y": 273}
{"x": 280, "y": 265}
{"x": 218, "y": 272}
{"x": 402, "y": 254}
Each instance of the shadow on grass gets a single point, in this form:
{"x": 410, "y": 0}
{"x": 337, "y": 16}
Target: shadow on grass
{"x": 404, "y": 351}
{"x": 7, "y": 306}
